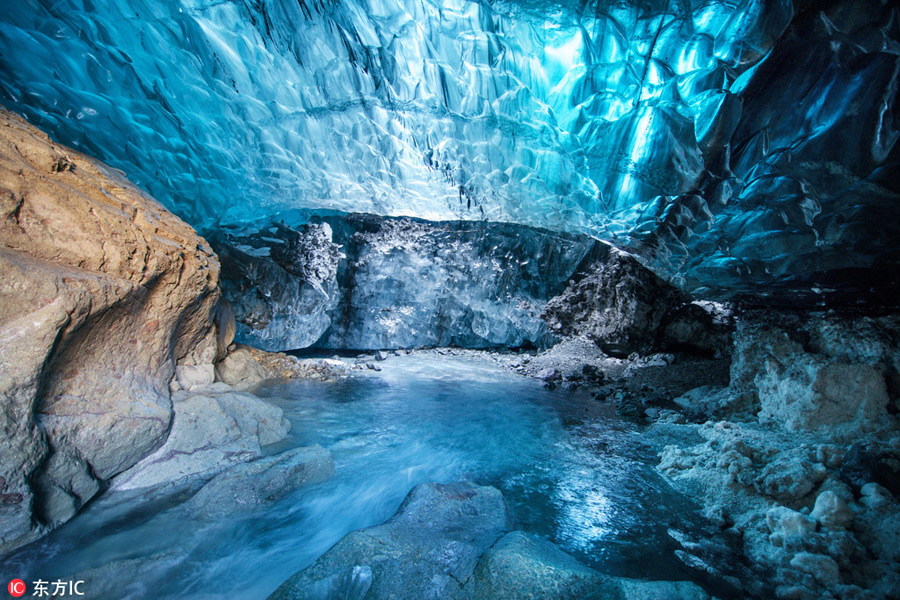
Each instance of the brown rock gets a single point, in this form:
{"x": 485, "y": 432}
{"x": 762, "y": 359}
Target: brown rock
{"x": 102, "y": 292}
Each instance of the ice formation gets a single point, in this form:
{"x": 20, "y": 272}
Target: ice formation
{"x": 362, "y": 282}
{"x": 736, "y": 146}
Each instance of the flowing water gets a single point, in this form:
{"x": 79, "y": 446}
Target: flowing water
{"x": 569, "y": 469}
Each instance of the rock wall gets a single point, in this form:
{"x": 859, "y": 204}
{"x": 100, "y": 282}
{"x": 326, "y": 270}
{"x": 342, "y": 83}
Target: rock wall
{"x": 623, "y": 307}
{"x": 102, "y": 293}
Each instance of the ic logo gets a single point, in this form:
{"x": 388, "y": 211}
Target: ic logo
{"x": 16, "y": 588}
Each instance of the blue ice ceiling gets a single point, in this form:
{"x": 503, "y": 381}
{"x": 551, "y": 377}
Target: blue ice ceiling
{"x": 734, "y": 145}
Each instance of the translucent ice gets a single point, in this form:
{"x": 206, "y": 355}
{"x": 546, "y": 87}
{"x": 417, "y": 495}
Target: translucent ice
{"x": 737, "y": 146}
{"x": 363, "y": 282}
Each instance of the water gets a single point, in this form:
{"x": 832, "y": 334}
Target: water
{"x": 569, "y": 469}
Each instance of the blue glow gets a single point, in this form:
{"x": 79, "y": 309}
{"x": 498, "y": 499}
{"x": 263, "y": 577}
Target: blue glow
{"x": 548, "y": 115}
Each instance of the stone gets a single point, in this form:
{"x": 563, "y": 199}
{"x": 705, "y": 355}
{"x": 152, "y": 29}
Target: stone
{"x": 245, "y": 486}
{"x": 871, "y": 463}
{"x": 245, "y": 366}
{"x": 618, "y": 304}
{"x": 240, "y": 369}
{"x": 427, "y": 550}
{"x": 191, "y": 376}
{"x": 102, "y": 293}
{"x": 832, "y": 511}
{"x": 788, "y": 527}
{"x": 213, "y": 428}
{"x": 789, "y": 477}
{"x": 351, "y": 583}
{"x": 808, "y": 382}
{"x": 712, "y": 401}
{"x": 874, "y": 496}
{"x": 803, "y": 393}
{"x": 823, "y": 568}
{"x": 548, "y": 374}
{"x": 878, "y": 525}
{"x": 225, "y": 327}
{"x": 521, "y": 566}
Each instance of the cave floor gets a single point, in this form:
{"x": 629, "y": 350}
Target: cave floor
{"x": 570, "y": 468}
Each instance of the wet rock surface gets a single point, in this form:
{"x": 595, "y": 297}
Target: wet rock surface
{"x": 244, "y": 487}
{"x": 451, "y": 541}
{"x": 213, "y": 428}
{"x": 429, "y": 549}
{"x": 102, "y": 293}
{"x": 520, "y": 565}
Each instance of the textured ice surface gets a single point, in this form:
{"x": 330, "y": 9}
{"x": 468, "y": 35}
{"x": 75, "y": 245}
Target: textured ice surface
{"x": 734, "y": 145}
{"x": 283, "y": 288}
{"x": 396, "y": 283}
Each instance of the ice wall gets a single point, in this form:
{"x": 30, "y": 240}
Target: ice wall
{"x": 736, "y": 146}
{"x": 363, "y": 282}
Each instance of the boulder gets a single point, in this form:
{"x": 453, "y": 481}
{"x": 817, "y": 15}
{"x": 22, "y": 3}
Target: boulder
{"x": 240, "y": 369}
{"x": 102, "y": 293}
{"x": 788, "y": 527}
{"x": 248, "y": 485}
{"x": 832, "y": 511}
{"x": 214, "y": 427}
{"x": 619, "y": 304}
{"x": 245, "y": 366}
{"x": 427, "y": 550}
{"x": 522, "y": 566}
{"x": 624, "y": 307}
{"x": 807, "y": 382}
{"x": 191, "y": 376}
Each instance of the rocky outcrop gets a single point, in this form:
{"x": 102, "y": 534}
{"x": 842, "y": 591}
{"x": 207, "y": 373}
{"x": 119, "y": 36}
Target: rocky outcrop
{"x": 102, "y": 293}
{"x": 806, "y": 533}
{"x": 802, "y": 454}
{"x": 452, "y": 541}
{"x": 826, "y": 373}
{"x": 213, "y": 428}
{"x": 429, "y": 549}
{"x": 245, "y": 366}
{"x": 246, "y": 486}
{"x": 623, "y": 307}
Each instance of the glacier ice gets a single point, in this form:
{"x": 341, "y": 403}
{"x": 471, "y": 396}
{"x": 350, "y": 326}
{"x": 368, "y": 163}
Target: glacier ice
{"x": 282, "y": 285}
{"x": 735, "y": 146}
{"x": 361, "y": 282}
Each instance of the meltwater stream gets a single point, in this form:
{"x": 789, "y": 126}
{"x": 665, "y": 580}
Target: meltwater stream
{"x": 569, "y": 469}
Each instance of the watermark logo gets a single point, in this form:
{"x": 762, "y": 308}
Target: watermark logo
{"x": 46, "y": 589}
{"x": 16, "y": 588}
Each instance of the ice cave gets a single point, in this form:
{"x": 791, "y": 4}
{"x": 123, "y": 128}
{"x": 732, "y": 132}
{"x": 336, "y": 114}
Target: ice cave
{"x": 465, "y": 299}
